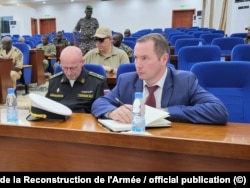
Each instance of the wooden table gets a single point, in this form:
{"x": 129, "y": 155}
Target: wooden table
{"x": 81, "y": 144}
{"x": 36, "y": 60}
{"x": 5, "y": 80}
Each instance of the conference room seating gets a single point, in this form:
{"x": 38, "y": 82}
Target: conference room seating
{"x": 187, "y": 42}
{"x": 242, "y": 35}
{"x": 176, "y": 37}
{"x": 190, "y": 55}
{"x": 123, "y": 68}
{"x": 27, "y": 69}
{"x": 208, "y": 37}
{"x": 90, "y": 67}
{"x": 241, "y": 52}
{"x": 129, "y": 43}
{"x": 230, "y": 82}
{"x": 226, "y": 44}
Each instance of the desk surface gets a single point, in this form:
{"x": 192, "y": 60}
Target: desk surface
{"x": 79, "y": 142}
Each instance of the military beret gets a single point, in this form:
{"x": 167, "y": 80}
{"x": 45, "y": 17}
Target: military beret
{"x": 43, "y": 108}
{"x": 89, "y": 7}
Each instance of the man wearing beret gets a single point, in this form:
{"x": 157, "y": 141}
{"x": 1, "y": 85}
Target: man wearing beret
{"x": 87, "y": 27}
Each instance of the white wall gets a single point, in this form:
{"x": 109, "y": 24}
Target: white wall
{"x": 122, "y": 14}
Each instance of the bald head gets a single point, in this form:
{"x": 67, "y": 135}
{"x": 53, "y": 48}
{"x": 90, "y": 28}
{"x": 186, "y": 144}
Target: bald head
{"x": 71, "y": 54}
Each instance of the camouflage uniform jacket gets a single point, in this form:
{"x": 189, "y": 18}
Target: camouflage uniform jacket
{"x": 62, "y": 42}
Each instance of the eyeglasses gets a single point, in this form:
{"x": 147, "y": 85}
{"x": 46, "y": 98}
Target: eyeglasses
{"x": 99, "y": 39}
{"x": 69, "y": 68}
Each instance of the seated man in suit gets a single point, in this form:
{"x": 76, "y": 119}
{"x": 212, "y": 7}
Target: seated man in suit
{"x": 49, "y": 51}
{"x": 105, "y": 53}
{"x": 177, "y": 92}
{"x": 117, "y": 42}
{"x": 11, "y": 52}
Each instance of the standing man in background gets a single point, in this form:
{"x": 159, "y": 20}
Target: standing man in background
{"x": 87, "y": 27}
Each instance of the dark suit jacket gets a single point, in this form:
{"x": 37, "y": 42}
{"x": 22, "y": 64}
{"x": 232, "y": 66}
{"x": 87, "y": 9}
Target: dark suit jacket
{"x": 184, "y": 98}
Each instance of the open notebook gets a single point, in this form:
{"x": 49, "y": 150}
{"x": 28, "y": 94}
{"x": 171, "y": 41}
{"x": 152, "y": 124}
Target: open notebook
{"x": 153, "y": 117}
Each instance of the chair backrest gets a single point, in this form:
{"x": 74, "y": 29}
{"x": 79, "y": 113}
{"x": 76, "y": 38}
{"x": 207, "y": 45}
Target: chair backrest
{"x": 176, "y": 37}
{"x": 125, "y": 68}
{"x": 190, "y": 55}
{"x": 230, "y": 82}
{"x": 242, "y": 35}
{"x": 210, "y": 36}
{"x": 187, "y": 42}
{"x": 90, "y": 67}
{"x": 226, "y": 44}
{"x": 129, "y": 43}
{"x": 25, "y": 50}
{"x": 241, "y": 52}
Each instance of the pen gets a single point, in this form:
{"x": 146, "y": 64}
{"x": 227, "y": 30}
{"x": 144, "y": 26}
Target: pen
{"x": 121, "y": 103}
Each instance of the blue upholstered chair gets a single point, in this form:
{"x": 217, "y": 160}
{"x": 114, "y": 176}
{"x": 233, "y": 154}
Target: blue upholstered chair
{"x": 176, "y": 37}
{"x": 27, "y": 70}
{"x": 190, "y": 55}
{"x": 241, "y": 52}
{"x": 230, "y": 82}
{"x": 226, "y": 44}
{"x": 125, "y": 68}
{"x": 90, "y": 67}
{"x": 210, "y": 36}
{"x": 187, "y": 42}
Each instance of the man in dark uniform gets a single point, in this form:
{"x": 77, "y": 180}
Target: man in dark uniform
{"x": 88, "y": 26}
{"x": 75, "y": 87}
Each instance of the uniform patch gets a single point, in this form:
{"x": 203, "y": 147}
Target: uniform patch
{"x": 90, "y": 96}
{"x": 56, "y": 75}
{"x": 96, "y": 75}
{"x": 55, "y": 95}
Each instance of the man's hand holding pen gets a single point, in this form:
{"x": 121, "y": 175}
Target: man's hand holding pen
{"x": 122, "y": 113}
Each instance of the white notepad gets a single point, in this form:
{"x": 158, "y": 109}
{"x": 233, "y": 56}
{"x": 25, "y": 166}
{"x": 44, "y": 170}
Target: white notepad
{"x": 153, "y": 118}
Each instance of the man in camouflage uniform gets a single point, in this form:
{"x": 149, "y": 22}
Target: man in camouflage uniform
{"x": 117, "y": 42}
{"x": 75, "y": 87}
{"x": 60, "y": 40}
{"x": 88, "y": 26}
{"x": 49, "y": 52}
{"x": 11, "y": 52}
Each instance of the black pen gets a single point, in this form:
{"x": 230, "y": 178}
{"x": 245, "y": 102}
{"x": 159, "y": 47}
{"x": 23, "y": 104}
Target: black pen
{"x": 121, "y": 103}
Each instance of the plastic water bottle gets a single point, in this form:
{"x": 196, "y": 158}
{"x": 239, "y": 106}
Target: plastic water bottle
{"x": 138, "y": 121}
{"x": 200, "y": 43}
{"x": 11, "y": 106}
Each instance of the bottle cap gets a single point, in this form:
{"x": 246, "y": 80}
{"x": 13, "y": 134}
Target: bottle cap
{"x": 138, "y": 94}
{"x": 10, "y": 90}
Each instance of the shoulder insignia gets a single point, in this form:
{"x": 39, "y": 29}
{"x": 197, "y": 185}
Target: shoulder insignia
{"x": 56, "y": 75}
{"x": 96, "y": 75}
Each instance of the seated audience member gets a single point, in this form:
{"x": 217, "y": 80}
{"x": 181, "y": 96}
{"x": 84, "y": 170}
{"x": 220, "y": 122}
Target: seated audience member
{"x": 127, "y": 33}
{"x": 105, "y": 53}
{"x": 247, "y": 39}
{"x": 22, "y": 40}
{"x": 117, "y": 42}
{"x": 178, "y": 92}
{"x": 49, "y": 50}
{"x": 60, "y": 40}
{"x": 7, "y": 51}
{"x": 75, "y": 87}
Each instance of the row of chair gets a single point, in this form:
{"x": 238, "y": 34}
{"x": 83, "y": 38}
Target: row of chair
{"x": 190, "y": 55}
